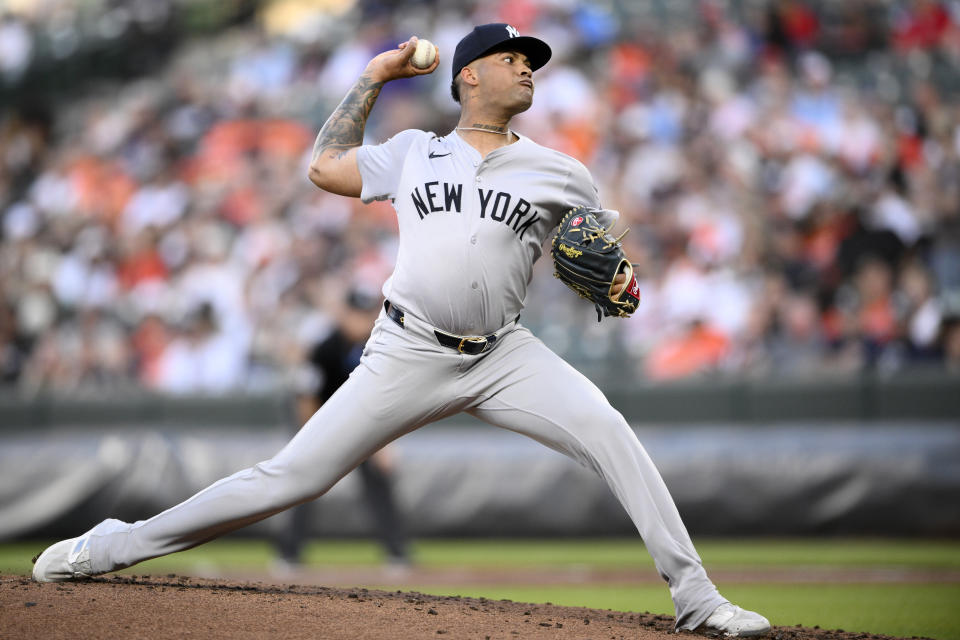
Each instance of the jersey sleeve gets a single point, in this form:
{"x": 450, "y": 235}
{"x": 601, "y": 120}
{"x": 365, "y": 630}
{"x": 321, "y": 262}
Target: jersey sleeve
{"x": 380, "y": 165}
{"x": 580, "y": 190}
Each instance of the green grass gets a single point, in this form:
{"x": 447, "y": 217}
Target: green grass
{"x": 600, "y": 553}
{"x": 715, "y": 553}
{"x": 929, "y": 609}
{"x": 917, "y": 554}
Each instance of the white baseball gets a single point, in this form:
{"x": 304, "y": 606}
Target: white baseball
{"x": 424, "y": 54}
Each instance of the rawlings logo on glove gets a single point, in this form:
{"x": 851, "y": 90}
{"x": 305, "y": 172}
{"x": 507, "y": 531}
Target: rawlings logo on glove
{"x": 588, "y": 260}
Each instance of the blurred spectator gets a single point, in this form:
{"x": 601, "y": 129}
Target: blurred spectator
{"x": 158, "y": 203}
{"x": 699, "y": 349}
{"x": 13, "y": 347}
{"x": 792, "y": 25}
{"x": 150, "y": 341}
{"x": 920, "y": 24}
{"x": 951, "y": 344}
{"x": 16, "y": 48}
{"x": 798, "y": 346}
{"x": 200, "y": 358}
{"x": 919, "y": 311}
{"x": 140, "y": 262}
{"x": 863, "y": 322}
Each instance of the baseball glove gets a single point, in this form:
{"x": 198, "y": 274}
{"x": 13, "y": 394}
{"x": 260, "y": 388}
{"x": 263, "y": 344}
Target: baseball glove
{"x": 588, "y": 259}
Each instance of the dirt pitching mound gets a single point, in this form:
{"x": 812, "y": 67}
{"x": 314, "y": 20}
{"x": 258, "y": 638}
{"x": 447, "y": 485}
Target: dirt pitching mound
{"x": 178, "y": 606}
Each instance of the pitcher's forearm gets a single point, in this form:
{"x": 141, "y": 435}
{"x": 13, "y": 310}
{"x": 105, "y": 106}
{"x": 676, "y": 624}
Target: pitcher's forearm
{"x": 344, "y": 128}
{"x": 333, "y": 166}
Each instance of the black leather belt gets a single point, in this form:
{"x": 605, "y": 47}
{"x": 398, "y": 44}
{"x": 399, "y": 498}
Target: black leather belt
{"x": 470, "y": 345}
{"x": 394, "y": 313}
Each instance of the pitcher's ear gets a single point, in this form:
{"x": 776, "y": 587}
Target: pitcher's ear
{"x": 469, "y": 75}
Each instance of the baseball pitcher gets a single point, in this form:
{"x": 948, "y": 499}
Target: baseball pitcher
{"x": 474, "y": 208}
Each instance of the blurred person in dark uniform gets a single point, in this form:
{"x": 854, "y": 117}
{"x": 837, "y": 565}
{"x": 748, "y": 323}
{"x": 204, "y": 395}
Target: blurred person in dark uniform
{"x": 331, "y": 360}
{"x": 14, "y": 346}
{"x": 950, "y": 343}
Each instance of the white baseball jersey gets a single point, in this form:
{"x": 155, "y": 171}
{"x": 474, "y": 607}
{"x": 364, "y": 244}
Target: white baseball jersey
{"x": 470, "y": 227}
{"x": 470, "y": 230}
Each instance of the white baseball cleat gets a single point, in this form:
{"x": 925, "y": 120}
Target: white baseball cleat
{"x": 731, "y": 621}
{"x": 70, "y": 559}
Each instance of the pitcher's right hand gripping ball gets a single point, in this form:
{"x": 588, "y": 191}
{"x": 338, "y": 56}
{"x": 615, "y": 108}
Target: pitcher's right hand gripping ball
{"x": 588, "y": 259}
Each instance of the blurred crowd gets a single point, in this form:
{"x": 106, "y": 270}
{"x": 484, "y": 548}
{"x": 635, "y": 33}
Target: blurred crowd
{"x": 793, "y": 197}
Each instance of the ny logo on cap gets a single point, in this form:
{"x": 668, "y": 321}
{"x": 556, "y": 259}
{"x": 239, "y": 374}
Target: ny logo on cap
{"x": 512, "y": 31}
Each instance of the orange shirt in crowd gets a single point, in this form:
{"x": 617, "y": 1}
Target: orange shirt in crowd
{"x": 102, "y": 188}
{"x": 698, "y": 350}
{"x": 140, "y": 267}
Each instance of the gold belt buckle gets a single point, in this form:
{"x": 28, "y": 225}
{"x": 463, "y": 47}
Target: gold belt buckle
{"x": 476, "y": 340}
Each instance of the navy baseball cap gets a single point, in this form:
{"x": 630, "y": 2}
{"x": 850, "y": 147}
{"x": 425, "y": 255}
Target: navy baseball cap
{"x": 489, "y": 37}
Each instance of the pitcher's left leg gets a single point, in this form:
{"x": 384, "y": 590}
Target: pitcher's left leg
{"x": 525, "y": 387}
{"x": 373, "y": 407}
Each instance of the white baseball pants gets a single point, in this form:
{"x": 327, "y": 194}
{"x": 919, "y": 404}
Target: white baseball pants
{"x": 404, "y": 381}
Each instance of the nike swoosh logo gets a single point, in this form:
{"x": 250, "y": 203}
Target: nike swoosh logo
{"x": 437, "y": 155}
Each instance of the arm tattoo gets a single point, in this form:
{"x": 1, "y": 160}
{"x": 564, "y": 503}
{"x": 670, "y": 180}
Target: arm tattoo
{"x": 344, "y": 128}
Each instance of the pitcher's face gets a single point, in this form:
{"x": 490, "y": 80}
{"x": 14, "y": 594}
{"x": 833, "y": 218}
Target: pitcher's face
{"x": 505, "y": 80}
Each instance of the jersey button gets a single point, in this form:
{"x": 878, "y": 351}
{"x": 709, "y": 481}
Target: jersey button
{"x": 474, "y": 285}
{"x": 473, "y": 239}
